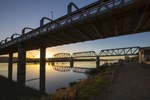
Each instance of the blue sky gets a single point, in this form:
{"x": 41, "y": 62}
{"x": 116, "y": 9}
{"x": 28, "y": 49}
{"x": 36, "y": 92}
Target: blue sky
{"x": 17, "y": 14}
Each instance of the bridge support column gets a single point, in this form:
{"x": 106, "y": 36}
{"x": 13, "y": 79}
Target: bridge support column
{"x": 42, "y": 69}
{"x": 140, "y": 56}
{"x": 10, "y": 62}
{"x": 21, "y": 70}
{"x": 71, "y": 62}
{"x": 97, "y": 61}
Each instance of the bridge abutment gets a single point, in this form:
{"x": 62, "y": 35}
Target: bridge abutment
{"x": 42, "y": 69}
{"x": 97, "y": 61}
{"x": 21, "y": 70}
{"x": 10, "y": 63}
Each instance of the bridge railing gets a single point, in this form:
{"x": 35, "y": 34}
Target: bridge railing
{"x": 67, "y": 19}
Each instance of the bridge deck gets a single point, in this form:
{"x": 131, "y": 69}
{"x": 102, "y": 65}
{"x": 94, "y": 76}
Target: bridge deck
{"x": 100, "y": 21}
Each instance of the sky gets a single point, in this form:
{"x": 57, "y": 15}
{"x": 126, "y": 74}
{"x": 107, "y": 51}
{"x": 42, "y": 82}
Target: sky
{"x": 17, "y": 14}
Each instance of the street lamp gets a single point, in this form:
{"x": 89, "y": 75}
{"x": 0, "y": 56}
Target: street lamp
{"x": 52, "y": 15}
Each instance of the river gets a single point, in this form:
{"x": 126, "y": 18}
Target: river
{"x": 57, "y": 76}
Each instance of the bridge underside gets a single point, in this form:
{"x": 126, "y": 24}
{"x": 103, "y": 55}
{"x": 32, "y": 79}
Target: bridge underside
{"x": 126, "y": 20}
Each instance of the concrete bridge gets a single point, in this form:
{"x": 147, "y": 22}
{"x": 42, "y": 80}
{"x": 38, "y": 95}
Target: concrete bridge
{"x": 99, "y": 20}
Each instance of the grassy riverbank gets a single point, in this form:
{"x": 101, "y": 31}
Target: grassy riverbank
{"x": 96, "y": 87}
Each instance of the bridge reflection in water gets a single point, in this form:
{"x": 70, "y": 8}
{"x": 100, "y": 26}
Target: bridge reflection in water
{"x": 74, "y": 69}
{"x": 53, "y": 79}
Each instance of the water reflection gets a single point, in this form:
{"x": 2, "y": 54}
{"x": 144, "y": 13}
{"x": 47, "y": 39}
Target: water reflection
{"x": 53, "y": 78}
{"x": 61, "y": 75}
{"x": 11, "y": 90}
{"x": 62, "y": 68}
{"x": 73, "y": 69}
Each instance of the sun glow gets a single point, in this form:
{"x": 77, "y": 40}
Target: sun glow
{"x": 36, "y": 54}
{"x": 48, "y": 55}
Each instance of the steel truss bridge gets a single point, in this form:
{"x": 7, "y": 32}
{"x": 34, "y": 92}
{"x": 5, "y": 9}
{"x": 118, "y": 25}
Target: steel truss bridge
{"x": 127, "y": 51}
{"x": 74, "y": 69}
{"x": 104, "y": 18}
{"x": 120, "y": 52}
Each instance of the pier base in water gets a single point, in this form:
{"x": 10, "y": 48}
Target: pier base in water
{"x": 42, "y": 69}
{"x": 97, "y": 61}
{"x": 10, "y": 63}
{"x": 21, "y": 70}
{"x": 71, "y": 62}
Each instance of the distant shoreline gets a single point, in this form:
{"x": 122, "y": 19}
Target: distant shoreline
{"x": 36, "y": 60}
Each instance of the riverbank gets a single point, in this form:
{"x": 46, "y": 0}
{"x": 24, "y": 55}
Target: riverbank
{"x": 95, "y": 87}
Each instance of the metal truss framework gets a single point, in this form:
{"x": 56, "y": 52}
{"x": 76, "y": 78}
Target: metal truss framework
{"x": 127, "y": 51}
{"x": 119, "y": 51}
{"x": 84, "y": 54}
{"x": 64, "y": 21}
{"x": 62, "y": 55}
{"x": 74, "y": 55}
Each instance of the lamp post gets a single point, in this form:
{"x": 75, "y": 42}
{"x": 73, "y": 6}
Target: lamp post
{"x": 52, "y": 15}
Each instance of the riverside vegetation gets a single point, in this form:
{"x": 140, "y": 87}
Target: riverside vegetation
{"x": 95, "y": 87}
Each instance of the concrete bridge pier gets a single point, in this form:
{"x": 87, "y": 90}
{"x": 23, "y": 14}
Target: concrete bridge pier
{"x": 42, "y": 69}
{"x": 97, "y": 61}
{"x": 21, "y": 70}
{"x": 71, "y": 62}
{"x": 10, "y": 63}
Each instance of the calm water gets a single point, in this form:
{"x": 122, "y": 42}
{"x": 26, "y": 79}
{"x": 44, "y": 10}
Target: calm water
{"x": 57, "y": 76}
